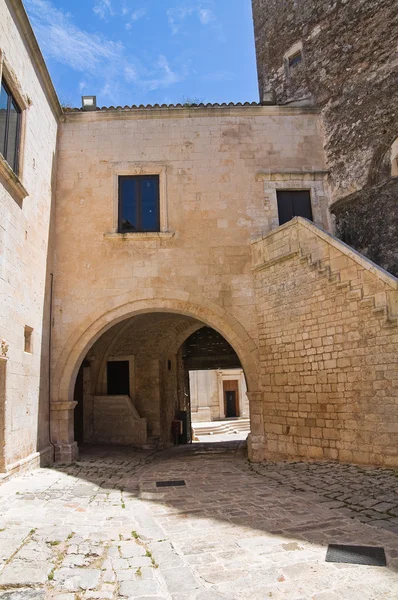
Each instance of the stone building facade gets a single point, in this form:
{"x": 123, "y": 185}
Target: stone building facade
{"x": 210, "y": 391}
{"x": 218, "y": 170}
{"x": 342, "y": 57}
{"x": 197, "y": 266}
{"x": 26, "y": 247}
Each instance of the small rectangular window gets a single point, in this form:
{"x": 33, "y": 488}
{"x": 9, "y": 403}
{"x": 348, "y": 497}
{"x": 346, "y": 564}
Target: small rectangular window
{"x": 28, "y": 339}
{"x": 295, "y": 59}
{"x": 139, "y": 203}
{"x": 10, "y": 127}
{"x": 293, "y": 203}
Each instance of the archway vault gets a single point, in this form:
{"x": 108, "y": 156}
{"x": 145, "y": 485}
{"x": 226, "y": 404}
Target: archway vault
{"x": 101, "y": 320}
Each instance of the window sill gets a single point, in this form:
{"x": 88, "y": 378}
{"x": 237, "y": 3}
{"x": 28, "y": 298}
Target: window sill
{"x": 140, "y": 236}
{"x": 11, "y": 182}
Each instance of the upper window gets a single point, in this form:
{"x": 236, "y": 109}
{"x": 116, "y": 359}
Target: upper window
{"x": 10, "y": 126}
{"x": 293, "y": 203}
{"x": 295, "y": 59}
{"x": 139, "y": 203}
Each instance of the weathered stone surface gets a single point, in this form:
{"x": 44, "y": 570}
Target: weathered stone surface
{"x": 236, "y": 531}
{"x": 26, "y": 594}
{"x": 77, "y": 579}
{"x": 368, "y": 221}
{"x": 348, "y": 69}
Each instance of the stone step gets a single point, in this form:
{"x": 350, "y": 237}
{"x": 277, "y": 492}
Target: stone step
{"x": 240, "y": 425}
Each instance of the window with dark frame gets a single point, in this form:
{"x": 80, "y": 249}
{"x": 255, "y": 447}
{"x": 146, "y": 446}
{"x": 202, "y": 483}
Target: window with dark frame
{"x": 293, "y": 203}
{"x": 295, "y": 59}
{"x": 138, "y": 203}
{"x": 10, "y": 127}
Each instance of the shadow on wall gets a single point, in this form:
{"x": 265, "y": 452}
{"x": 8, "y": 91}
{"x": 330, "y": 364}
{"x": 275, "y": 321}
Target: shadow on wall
{"x": 43, "y": 415}
{"x": 368, "y": 221}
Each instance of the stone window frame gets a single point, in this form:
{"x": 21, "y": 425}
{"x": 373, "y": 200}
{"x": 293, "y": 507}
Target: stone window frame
{"x": 130, "y": 358}
{"x": 132, "y": 169}
{"x": 313, "y": 181}
{"x": 11, "y": 181}
{"x": 295, "y": 49}
{"x": 229, "y": 375}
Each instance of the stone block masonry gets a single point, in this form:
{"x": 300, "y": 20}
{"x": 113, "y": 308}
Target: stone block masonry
{"x": 328, "y": 342}
{"x": 26, "y": 248}
{"x": 348, "y": 68}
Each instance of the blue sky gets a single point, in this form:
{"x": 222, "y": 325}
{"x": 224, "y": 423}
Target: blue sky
{"x": 147, "y": 51}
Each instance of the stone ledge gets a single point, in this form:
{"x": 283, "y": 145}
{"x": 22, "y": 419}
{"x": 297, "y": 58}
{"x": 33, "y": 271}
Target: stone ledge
{"x": 291, "y": 175}
{"x": 11, "y": 182}
{"x": 173, "y": 112}
{"x": 33, "y": 461}
{"x": 140, "y": 236}
{"x": 274, "y": 261}
{"x": 63, "y": 405}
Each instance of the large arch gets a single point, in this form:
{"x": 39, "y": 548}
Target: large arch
{"x": 85, "y": 335}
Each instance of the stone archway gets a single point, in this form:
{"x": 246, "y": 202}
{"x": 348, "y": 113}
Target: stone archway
{"x": 67, "y": 366}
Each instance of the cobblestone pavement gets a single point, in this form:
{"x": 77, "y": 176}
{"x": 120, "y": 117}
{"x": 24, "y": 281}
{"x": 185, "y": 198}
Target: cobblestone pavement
{"x": 102, "y": 529}
{"x": 364, "y": 493}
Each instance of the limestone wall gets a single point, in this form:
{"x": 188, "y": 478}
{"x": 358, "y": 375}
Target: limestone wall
{"x": 328, "y": 340}
{"x": 213, "y": 204}
{"x": 25, "y": 244}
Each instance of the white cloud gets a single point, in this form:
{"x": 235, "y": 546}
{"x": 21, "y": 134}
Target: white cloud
{"x": 160, "y": 75}
{"x": 138, "y": 14}
{"x": 105, "y": 63}
{"x": 62, "y": 41}
{"x": 205, "y": 16}
{"x": 177, "y": 15}
{"x": 135, "y": 16}
{"x": 103, "y": 8}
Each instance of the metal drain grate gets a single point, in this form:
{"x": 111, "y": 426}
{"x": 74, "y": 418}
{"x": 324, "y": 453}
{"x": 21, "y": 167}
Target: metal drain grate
{"x": 356, "y": 555}
{"x": 176, "y": 483}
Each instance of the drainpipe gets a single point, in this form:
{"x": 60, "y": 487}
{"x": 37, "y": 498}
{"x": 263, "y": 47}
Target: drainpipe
{"x": 49, "y": 362}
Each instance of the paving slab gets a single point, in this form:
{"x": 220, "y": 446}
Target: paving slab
{"x": 100, "y": 529}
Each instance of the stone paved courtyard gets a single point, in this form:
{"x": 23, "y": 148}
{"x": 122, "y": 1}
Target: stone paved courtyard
{"x": 101, "y": 529}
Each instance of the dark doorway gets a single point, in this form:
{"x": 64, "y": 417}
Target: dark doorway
{"x": 293, "y": 203}
{"x": 230, "y": 404}
{"x": 231, "y": 396}
{"x": 118, "y": 377}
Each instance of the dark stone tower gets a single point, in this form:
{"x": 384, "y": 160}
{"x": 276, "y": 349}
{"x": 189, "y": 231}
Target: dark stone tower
{"x": 342, "y": 55}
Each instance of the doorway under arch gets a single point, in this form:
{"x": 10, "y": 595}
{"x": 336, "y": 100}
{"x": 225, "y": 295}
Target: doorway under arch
{"x": 70, "y": 356}
{"x": 132, "y": 387}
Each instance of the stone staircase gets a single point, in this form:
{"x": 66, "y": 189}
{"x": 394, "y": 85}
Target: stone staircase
{"x": 364, "y": 281}
{"x": 331, "y": 315}
{"x": 379, "y": 304}
{"x": 241, "y": 425}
